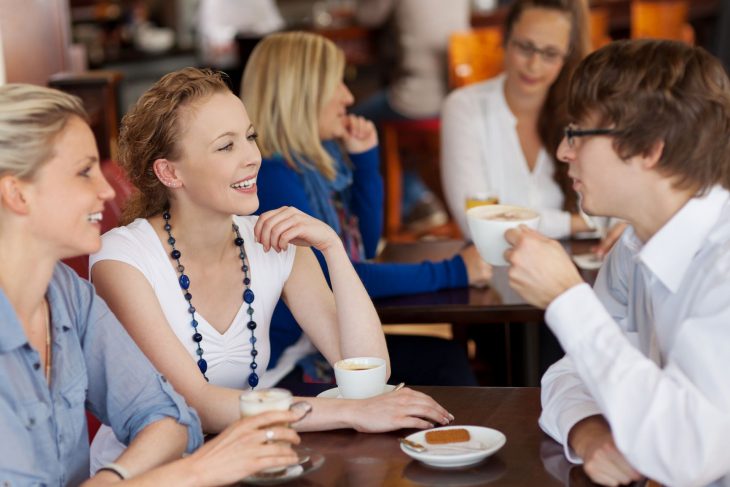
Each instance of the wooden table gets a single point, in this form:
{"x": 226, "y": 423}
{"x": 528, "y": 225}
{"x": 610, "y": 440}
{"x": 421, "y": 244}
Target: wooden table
{"x": 530, "y": 458}
{"x": 497, "y": 303}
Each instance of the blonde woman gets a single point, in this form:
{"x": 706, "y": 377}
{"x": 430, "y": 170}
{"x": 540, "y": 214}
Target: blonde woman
{"x": 62, "y": 350}
{"x": 195, "y": 284}
{"x": 324, "y": 162}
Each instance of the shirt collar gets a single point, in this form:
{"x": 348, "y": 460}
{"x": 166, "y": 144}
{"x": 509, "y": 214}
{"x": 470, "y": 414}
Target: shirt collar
{"x": 670, "y": 251}
{"x": 12, "y": 334}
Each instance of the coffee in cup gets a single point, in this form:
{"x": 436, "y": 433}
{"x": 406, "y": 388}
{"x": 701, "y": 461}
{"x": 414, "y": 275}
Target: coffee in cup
{"x": 488, "y": 224}
{"x": 361, "y": 377}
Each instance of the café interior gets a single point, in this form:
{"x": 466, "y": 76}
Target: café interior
{"x": 109, "y": 52}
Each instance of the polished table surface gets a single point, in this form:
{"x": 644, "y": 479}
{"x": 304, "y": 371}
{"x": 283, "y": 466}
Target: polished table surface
{"x": 497, "y": 303}
{"x": 529, "y": 458}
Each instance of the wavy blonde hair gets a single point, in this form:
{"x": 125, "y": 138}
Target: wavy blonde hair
{"x": 30, "y": 119}
{"x": 151, "y": 130}
{"x": 288, "y": 79}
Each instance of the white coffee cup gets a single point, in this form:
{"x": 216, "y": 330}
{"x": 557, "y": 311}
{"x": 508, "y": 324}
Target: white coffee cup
{"x": 360, "y": 377}
{"x": 487, "y": 225}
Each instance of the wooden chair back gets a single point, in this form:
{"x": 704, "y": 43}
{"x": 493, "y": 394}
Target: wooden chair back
{"x": 599, "y": 24}
{"x": 475, "y": 55}
{"x": 661, "y": 19}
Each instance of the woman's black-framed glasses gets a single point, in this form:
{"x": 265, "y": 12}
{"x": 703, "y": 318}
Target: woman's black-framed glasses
{"x": 571, "y": 133}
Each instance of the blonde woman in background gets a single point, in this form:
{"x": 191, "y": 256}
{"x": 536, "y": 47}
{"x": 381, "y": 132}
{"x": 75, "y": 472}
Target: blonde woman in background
{"x": 324, "y": 162}
{"x": 62, "y": 350}
{"x": 195, "y": 284}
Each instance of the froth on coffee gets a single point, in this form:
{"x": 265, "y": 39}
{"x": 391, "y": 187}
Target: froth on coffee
{"x": 511, "y": 215}
{"x": 356, "y": 366}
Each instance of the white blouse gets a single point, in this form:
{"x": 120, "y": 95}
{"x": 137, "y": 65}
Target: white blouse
{"x": 481, "y": 153}
{"x": 228, "y": 354}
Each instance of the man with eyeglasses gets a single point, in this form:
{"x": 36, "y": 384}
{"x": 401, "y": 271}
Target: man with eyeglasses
{"x": 643, "y": 389}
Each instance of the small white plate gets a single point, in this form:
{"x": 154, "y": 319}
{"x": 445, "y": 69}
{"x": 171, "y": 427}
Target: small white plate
{"x": 490, "y": 439}
{"x": 334, "y": 393}
{"x": 588, "y": 261}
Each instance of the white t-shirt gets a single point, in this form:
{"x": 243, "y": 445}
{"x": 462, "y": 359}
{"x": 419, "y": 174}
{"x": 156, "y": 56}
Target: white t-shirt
{"x": 481, "y": 153}
{"x": 228, "y": 354}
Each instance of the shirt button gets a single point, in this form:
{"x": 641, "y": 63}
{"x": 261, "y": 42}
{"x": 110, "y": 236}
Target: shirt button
{"x": 163, "y": 378}
{"x": 31, "y": 422}
{"x": 37, "y": 365}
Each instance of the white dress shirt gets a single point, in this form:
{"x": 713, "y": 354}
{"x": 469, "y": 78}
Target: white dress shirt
{"x": 481, "y": 153}
{"x": 649, "y": 349}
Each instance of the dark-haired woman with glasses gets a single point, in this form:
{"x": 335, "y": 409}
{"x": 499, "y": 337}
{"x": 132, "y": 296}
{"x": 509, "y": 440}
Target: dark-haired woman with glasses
{"x": 499, "y": 137}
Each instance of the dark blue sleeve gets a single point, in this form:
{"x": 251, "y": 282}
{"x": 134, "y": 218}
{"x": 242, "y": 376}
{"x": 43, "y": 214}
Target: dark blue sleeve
{"x": 280, "y": 185}
{"x": 367, "y": 198}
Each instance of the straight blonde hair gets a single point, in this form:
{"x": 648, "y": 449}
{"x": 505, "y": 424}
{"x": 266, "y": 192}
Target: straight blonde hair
{"x": 288, "y": 79}
{"x": 30, "y": 119}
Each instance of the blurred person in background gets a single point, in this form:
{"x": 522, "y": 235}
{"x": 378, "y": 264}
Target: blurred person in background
{"x": 324, "y": 162}
{"x": 419, "y": 81}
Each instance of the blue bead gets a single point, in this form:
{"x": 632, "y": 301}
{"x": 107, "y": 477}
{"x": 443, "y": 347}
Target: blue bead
{"x": 251, "y": 325}
{"x": 199, "y": 352}
{"x": 248, "y": 296}
{"x": 188, "y": 296}
{"x": 171, "y": 241}
{"x": 246, "y": 281}
{"x": 166, "y": 215}
{"x": 254, "y": 352}
{"x": 168, "y": 227}
{"x": 175, "y": 254}
{"x": 194, "y": 323}
{"x": 202, "y": 365}
{"x": 197, "y": 338}
{"x": 191, "y": 309}
{"x": 253, "y": 380}
{"x": 184, "y": 281}
{"x": 254, "y": 365}
{"x": 238, "y": 241}
{"x": 252, "y": 340}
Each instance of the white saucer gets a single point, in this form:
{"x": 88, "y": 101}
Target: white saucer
{"x": 334, "y": 393}
{"x": 588, "y": 261}
{"x": 488, "y": 440}
{"x": 309, "y": 461}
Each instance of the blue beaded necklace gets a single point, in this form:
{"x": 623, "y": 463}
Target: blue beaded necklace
{"x": 248, "y": 296}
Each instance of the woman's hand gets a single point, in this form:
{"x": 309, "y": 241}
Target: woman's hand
{"x": 477, "y": 270}
{"x": 360, "y": 135}
{"x": 245, "y": 447}
{"x": 276, "y": 229}
{"x": 612, "y": 236}
{"x": 405, "y": 408}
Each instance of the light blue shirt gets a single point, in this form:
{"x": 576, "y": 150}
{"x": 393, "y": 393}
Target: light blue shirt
{"x": 97, "y": 366}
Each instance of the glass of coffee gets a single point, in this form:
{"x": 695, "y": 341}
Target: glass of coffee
{"x": 488, "y": 224}
{"x": 253, "y": 402}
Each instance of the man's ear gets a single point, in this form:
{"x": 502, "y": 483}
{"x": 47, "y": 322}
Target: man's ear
{"x": 651, "y": 158}
{"x": 165, "y": 172}
{"x": 12, "y": 195}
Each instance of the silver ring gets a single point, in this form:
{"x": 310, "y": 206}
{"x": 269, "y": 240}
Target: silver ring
{"x": 269, "y": 435}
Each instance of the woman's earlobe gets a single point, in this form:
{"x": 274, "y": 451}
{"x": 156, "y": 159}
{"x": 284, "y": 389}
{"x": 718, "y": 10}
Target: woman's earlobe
{"x": 165, "y": 172}
{"x": 11, "y": 195}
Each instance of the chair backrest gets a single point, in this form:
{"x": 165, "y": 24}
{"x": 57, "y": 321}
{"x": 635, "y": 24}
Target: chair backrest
{"x": 600, "y": 25}
{"x": 475, "y": 55}
{"x": 661, "y": 19}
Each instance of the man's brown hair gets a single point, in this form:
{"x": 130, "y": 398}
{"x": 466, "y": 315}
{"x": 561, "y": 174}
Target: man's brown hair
{"x": 666, "y": 92}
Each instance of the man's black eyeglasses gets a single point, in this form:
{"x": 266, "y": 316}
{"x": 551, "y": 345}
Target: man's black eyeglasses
{"x": 571, "y": 133}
